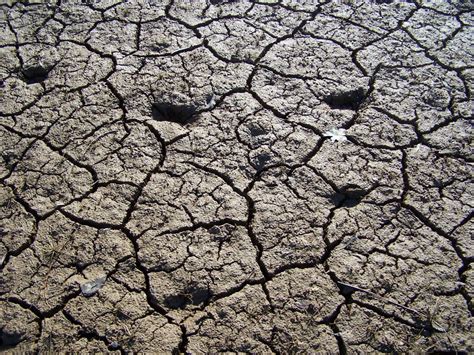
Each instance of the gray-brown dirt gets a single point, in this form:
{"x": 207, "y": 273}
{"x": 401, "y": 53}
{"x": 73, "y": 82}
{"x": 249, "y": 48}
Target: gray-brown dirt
{"x": 242, "y": 176}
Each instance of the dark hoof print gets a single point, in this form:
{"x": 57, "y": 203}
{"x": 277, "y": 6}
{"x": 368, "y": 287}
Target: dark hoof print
{"x": 35, "y": 74}
{"x": 348, "y": 100}
{"x": 257, "y": 131}
{"x": 218, "y": 2}
{"x": 182, "y": 114}
{"x": 191, "y": 295}
{"x": 10, "y": 339}
{"x": 349, "y": 196}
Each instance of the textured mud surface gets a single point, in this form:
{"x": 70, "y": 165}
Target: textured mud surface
{"x": 269, "y": 176}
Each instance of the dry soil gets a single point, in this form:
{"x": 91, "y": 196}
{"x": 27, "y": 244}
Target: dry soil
{"x": 240, "y": 176}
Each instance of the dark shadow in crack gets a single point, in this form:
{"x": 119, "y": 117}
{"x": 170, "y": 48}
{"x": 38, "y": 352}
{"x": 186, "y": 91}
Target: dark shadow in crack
{"x": 164, "y": 111}
{"x": 345, "y": 100}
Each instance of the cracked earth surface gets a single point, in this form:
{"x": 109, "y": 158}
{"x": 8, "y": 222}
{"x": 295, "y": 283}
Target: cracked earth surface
{"x": 173, "y": 178}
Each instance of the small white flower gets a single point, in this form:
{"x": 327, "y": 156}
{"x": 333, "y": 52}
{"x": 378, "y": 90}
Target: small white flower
{"x": 336, "y": 134}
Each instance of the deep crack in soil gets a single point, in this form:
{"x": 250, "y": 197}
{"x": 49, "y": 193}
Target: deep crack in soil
{"x": 245, "y": 176}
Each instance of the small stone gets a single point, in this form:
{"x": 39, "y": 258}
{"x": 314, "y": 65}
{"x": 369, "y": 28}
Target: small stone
{"x": 210, "y": 102}
{"x": 114, "y": 345}
{"x": 90, "y": 288}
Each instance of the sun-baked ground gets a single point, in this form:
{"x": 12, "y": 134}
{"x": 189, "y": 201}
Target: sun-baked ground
{"x": 242, "y": 176}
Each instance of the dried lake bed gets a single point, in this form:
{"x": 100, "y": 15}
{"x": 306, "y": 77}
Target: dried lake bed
{"x": 236, "y": 176}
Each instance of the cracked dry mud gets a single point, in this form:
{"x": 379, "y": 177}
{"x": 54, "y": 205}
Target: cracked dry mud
{"x": 168, "y": 182}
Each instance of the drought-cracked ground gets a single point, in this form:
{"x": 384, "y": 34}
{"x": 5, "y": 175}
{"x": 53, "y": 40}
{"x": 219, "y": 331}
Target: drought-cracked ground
{"x": 205, "y": 176}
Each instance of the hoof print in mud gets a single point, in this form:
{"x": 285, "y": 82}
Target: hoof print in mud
{"x": 349, "y": 195}
{"x": 192, "y": 295}
{"x": 345, "y": 100}
{"x": 33, "y": 74}
{"x": 182, "y": 114}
